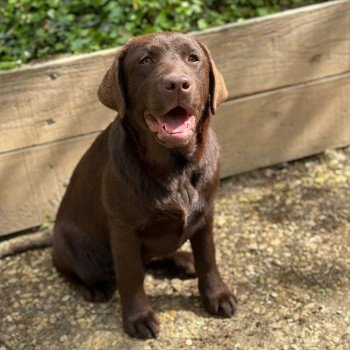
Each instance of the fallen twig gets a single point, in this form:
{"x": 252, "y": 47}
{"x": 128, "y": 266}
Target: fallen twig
{"x": 28, "y": 241}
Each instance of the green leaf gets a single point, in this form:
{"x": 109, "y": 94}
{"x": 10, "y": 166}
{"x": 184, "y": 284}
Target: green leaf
{"x": 202, "y": 23}
{"x": 263, "y": 11}
{"x": 30, "y": 29}
{"x": 8, "y": 65}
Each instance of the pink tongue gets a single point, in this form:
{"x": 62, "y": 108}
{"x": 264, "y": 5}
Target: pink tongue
{"x": 175, "y": 121}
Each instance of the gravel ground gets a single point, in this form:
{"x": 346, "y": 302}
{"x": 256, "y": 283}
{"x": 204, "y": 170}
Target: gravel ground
{"x": 282, "y": 237}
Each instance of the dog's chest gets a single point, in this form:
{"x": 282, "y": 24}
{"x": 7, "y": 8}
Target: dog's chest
{"x": 189, "y": 199}
{"x": 175, "y": 221}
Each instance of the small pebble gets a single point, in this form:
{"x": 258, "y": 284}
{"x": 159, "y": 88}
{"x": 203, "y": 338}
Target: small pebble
{"x": 63, "y": 338}
{"x": 189, "y": 342}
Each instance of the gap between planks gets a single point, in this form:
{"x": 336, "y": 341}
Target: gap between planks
{"x": 239, "y": 99}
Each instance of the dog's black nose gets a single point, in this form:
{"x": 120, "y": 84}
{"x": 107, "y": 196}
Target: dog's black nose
{"x": 177, "y": 83}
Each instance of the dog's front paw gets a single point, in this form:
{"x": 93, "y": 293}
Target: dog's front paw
{"x": 221, "y": 302}
{"x": 143, "y": 325}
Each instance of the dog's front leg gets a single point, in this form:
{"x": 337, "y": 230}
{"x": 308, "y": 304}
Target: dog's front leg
{"x": 218, "y": 299}
{"x": 139, "y": 318}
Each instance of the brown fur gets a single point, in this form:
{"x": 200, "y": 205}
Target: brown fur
{"x": 135, "y": 196}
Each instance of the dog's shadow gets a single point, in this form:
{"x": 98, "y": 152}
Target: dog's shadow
{"x": 178, "y": 302}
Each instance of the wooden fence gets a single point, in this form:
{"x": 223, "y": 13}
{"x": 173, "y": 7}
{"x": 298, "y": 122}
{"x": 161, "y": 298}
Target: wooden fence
{"x": 288, "y": 77}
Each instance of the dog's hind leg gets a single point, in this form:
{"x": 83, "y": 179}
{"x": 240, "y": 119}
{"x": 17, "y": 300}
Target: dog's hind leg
{"x": 179, "y": 262}
{"x": 87, "y": 265}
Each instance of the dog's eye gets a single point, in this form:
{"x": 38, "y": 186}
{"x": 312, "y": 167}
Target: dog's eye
{"x": 146, "y": 60}
{"x": 193, "y": 58}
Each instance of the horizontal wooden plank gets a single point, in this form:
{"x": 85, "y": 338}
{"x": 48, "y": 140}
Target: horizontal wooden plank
{"x": 253, "y": 132}
{"x": 34, "y": 180}
{"x": 37, "y": 109}
{"x": 284, "y": 49}
{"x": 57, "y": 100}
{"x": 283, "y": 125}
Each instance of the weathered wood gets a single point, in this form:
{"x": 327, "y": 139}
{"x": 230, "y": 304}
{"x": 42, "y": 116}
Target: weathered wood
{"x": 34, "y": 180}
{"x": 22, "y": 243}
{"x": 284, "y": 49}
{"x": 57, "y": 100}
{"x": 253, "y": 132}
{"x": 37, "y": 109}
{"x": 283, "y": 125}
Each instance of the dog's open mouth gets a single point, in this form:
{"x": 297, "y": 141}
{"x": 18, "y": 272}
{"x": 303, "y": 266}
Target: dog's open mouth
{"x": 176, "y": 125}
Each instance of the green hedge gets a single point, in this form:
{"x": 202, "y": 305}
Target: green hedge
{"x": 31, "y": 29}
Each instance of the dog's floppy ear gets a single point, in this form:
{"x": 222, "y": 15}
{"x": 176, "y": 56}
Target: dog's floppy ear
{"x": 217, "y": 88}
{"x": 111, "y": 90}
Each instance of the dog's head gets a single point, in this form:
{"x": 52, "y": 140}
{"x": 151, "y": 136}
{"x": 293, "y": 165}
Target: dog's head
{"x": 163, "y": 82}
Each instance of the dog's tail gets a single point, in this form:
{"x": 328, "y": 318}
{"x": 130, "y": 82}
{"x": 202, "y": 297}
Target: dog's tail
{"x": 29, "y": 241}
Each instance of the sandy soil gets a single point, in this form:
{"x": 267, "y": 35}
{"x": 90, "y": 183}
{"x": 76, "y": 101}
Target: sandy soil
{"x": 283, "y": 237}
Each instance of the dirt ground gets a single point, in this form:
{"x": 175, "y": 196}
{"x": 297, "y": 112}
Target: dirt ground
{"x": 282, "y": 237}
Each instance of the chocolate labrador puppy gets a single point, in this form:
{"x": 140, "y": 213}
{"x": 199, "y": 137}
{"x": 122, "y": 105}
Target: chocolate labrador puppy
{"x": 147, "y": 183}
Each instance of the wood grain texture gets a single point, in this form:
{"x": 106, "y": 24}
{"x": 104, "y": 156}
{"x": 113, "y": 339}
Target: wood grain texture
{"x": 23, "y": 243}
{"x": 282, "y": 50}
{"x": 37, "y": 109}
{"x": 283, "y": 125}
{"x": 34, "y": 180}
{"x": 253, "y": 132}
{"x": 57, "y": 100}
